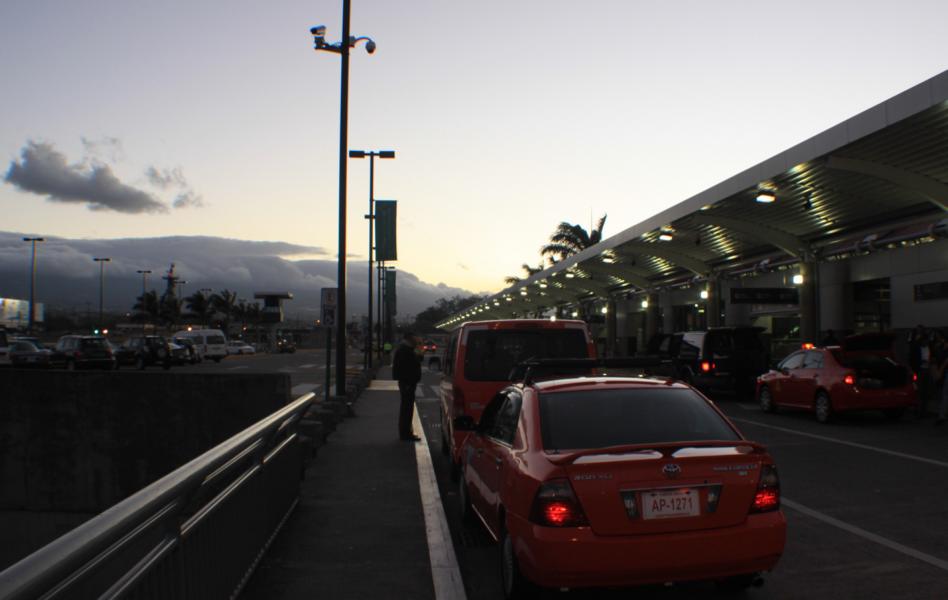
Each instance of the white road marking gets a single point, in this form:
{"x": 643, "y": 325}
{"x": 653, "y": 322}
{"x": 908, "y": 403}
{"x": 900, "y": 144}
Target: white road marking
{"x": 922, "y": 459}
{"x": 383, "y": 385}
{"x": 236, "y": 368}
{"x": 746, "y": 406}
{"x": 444, "y": 564}
{"x": 308, "y": 366}
{"x": 868, "y": 535}
{"x": 302, "y": 388}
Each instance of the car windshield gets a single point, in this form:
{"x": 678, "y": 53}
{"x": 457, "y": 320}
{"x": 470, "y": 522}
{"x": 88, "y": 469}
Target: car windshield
{"x": 492, "y": 354}
{"x": 96, "y": 343}
{"x": 215, "y": 339}
{"x": 613, "y": 417}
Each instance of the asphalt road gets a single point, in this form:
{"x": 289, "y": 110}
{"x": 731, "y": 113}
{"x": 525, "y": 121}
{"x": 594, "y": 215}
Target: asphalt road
{"x": 865, "y": 501}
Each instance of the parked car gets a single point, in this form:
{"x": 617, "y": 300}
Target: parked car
{"x": 285, "y": 345}
{"x": 151, "y": 350}
{"x": 429, "y": 346}
{"x": 210, "y": 343}
{"x": 25, "y": 353}
{"x": 721, "y": 359}
{"x": 193, "y": 356}
{"x": 618, "y": 481}
{"x": 83, "y": 352}
{"x": 481, "y": 356}
{"x": 124, "y": 356}
{"x": 4, "y": 347}
{"x": 859, "y": 374}
{"x": 180, "y": 354}
{"x": 239, "y": 347}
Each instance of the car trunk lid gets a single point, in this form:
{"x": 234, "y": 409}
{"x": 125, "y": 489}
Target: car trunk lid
{"x": 666, "y": 487}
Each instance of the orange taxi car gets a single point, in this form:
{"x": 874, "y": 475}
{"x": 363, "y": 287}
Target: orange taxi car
{"x": 619, "y": 481}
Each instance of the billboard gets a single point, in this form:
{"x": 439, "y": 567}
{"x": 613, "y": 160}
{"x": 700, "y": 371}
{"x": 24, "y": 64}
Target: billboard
{"x": 385, "y": 246}
{"x": 15, "y": 313}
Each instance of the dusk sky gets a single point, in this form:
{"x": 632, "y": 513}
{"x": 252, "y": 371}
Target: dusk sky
{"x": 218, "y": 119}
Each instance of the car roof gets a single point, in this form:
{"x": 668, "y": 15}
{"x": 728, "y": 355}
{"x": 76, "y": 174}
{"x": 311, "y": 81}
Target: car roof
{"x": 575, "y": 384}
{"x": 525, "y": 324}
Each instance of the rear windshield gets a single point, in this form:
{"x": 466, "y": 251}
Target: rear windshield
{"x": 96, "y": 343}
{"x": 602, "y": 418}
{"x": 492, "y": 354}
{"x": 215, "y": 339}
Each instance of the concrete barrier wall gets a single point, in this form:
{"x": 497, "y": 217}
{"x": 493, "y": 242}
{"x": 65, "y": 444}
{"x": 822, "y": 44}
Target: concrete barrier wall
{"x": 74, "y": 443}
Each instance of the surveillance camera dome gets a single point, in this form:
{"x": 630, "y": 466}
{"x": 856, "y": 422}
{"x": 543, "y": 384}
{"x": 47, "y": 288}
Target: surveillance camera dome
{"x": 370, "y": 46}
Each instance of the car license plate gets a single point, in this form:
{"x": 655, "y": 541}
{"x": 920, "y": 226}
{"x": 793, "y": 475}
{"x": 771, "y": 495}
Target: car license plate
{"x": 665, "y": 504}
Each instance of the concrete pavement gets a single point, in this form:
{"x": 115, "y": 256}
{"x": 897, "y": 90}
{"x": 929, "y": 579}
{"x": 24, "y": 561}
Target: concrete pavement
{"x": 360, "y": 529}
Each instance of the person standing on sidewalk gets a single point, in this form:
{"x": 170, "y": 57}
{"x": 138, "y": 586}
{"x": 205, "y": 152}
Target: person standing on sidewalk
{"x": 406, "y": 368}
{"x": 920, "y": 361}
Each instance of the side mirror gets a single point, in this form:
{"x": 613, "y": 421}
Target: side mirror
{"x": 465, "y": 423}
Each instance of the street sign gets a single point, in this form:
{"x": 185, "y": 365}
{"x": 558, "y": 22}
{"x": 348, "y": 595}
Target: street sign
{"x": 328, "y": 301}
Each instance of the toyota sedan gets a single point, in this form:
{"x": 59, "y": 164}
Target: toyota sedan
{"x": 613, "y": 482}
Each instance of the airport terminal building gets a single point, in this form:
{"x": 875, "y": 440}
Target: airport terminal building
{"x": 846, "y": 231}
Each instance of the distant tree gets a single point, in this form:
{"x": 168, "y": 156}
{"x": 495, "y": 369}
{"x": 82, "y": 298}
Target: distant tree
{"x": 223, "y": 303}
{"x": 569, "y": 239}
{"x": 530, "y": 271}
{"x": 169, "y": 310}
{"x": 147, "y": 307}
{"x": 200, "y": 307}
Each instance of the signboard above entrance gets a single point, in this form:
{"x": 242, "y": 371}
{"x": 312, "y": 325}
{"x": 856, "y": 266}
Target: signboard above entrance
{"x": 765, "y": 296}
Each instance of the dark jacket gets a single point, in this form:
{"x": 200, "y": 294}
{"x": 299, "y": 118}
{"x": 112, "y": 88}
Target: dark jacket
{"x": 406, "y": 366}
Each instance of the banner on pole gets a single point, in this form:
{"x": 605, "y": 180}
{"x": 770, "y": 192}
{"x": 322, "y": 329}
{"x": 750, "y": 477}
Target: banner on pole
{"x": 328, "y": 302}
{"x": 385, "y": 246}
{"x": 390, "y": 292}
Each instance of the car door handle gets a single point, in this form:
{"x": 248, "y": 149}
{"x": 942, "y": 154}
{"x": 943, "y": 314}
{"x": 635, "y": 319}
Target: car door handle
{"x": 498, "y": 460}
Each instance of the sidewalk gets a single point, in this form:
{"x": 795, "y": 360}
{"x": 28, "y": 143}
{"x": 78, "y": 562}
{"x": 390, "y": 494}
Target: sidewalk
{"x": 359, "y": 530}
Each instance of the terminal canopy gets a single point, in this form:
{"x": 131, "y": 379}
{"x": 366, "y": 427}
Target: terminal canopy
{"x": 879, "y": 179}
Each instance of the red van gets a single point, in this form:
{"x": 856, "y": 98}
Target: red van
{"x": 479, "y": 359}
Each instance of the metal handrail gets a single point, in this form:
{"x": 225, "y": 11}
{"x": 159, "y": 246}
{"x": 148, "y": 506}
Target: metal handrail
{"x": 166, "y": 504}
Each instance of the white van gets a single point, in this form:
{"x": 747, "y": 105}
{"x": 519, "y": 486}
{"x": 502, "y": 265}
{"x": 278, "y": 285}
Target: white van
{"x": 209, "y": 343}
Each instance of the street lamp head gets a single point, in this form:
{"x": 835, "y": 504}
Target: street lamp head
{"x": 386, "y": 154}
{"x": 370, "y": 46}
{"x": 356, "y": 153}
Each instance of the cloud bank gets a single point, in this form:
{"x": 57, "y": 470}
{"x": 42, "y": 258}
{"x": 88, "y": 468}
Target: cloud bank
{"x": 68, "y": 278}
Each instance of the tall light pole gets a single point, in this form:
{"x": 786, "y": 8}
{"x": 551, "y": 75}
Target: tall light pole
{"x": 32, "y": 281}
{"x": 341, "y": 48}
{"x": 144, "y": 273}
{"x": 371, "y": 218}
{"x": 101, "y": 262}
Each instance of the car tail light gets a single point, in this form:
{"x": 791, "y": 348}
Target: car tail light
{"x": 767, "y": 497}
{"x": 849, "y": 379}
{"x": 914, "y": 377}
{"x": 707, "y": 366}
{"x": 555, "y": 505}
{"x": 807, "y": 345}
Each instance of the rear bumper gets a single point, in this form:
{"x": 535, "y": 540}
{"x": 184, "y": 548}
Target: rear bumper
{"x": 577, "y": 557}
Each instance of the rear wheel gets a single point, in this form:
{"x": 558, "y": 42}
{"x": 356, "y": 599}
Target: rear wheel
{"x": 823, "y": 408}
{"x": 516, "y": 586}
{"x": 217, "y": 359}
{"x": 140, "y": 363}
{"x": 766, "y": 400}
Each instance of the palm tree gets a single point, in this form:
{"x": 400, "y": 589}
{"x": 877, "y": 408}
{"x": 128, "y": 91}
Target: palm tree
{"x": 170, "y": 309}
{"x": 568, "y": 240}
{"x": 200, "y": 307}
{"x": 223, "y": 303}
{"x": 147, "y": 307}
{"x": 530, "y": 271}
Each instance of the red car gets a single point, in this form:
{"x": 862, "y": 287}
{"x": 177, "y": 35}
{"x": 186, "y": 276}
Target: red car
{"x": 860, "y": 374}
{"x": 619, "y": 481}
